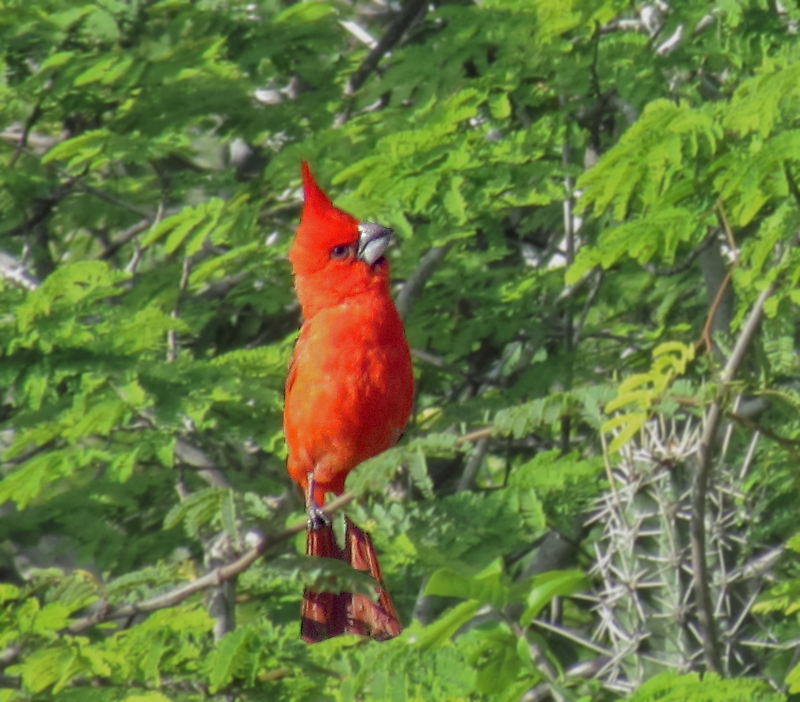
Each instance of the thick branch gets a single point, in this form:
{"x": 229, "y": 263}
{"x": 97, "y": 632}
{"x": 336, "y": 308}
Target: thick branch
{"x": 197, "y": 458}
{"x": 416, "y": 281}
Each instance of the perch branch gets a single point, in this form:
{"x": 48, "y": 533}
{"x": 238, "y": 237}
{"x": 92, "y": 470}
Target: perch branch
{"x": 212, "y": 578}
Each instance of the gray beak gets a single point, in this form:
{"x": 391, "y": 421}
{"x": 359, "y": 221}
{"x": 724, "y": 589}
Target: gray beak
{"x": 372, "y": 241}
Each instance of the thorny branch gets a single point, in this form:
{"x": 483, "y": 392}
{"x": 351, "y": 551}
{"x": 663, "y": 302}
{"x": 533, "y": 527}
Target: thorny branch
{"x": 705, "y": 607}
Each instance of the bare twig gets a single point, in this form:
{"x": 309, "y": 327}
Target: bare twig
{"x": 33, "y": 118}
{"x": 726, "y": 227}
{"x": 392, "y": 35}
{"x": 572, "y": 636}
{"x": 476, "y": 435}
{"x": 411, "y": 10}
{"x": 671, "y": 43}
{"x": 113, "y": 199}
{"x": 705, "y": 338}
{"x": 587, "y": 306}
{"x": 124, "y": 237}
{"x": 569, "y": 237}
{"x": 790, "y": 445}
{"x": 172, "y": 337}
{"x": 586, "y": 670}
{"x": 42, "y": 208}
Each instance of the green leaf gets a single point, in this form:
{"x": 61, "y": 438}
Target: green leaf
{"x": 229, "y": 657}
{"x": 488, "y": 586}
{"x": 443, "y": 628}
{"x": 555, "y": 583}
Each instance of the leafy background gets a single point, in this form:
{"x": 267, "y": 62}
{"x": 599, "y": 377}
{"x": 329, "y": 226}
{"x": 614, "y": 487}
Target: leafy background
{"x": 597, "y": 210}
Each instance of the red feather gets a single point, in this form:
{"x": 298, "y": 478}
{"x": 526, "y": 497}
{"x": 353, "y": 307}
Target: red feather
{"x": 350, "y": 386}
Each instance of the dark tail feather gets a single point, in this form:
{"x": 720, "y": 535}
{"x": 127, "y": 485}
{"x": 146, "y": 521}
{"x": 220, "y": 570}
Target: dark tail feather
{"x": 365, "y": 617}
{"x": 324, "y": 614}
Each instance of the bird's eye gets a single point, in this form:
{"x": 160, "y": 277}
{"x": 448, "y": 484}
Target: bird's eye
{"x": 340, "y": 251}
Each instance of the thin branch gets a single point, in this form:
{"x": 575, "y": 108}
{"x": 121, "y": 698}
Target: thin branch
{"x": 585, "y": 670}
{"x": 571, "y": 636}
{"x": 33, "y": 118}
{"x": 213, "y": 578}
{"x": 392, "y": 35}
{"x": 42, "y": 208}
{"x": 394, "y": 32}
{"x": 790, "y": 445}
{"x": 123, "y": 238}
{"x": 587, "y": 305}
{"x": 686, "y": 264}
{"x": 190, "y": 455}
{"x": 705, "y": 337}
{"x": 569, "y": 236}
{"x": 223, "y": 573}
{"x": 476, "y": 435}
{"x": 172, "y": 337}
{"x": 113, "y": 199}
{"x": 726, "y": 227}
{"x": 72, "y": 180}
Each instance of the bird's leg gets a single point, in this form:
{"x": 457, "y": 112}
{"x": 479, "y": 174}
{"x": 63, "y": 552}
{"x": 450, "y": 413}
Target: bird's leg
{"x": 324, "y": 613}
{"x": 316, "y": 515}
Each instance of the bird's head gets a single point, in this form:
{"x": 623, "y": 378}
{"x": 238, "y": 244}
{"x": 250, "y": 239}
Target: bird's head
{"x": 334, "y": 256}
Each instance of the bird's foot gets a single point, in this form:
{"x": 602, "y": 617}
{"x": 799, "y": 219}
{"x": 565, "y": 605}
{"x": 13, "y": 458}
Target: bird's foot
{"x": 317, "y": 519}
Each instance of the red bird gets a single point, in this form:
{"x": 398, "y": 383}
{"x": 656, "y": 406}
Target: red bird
{"x": 348, "y": 394}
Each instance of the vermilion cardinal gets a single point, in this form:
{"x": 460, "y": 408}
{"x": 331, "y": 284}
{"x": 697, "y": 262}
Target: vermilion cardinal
{"x": 348, "y": 394}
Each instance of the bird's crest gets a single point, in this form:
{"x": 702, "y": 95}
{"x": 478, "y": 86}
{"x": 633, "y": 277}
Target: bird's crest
{"x": 315, "y": 200}
{"x": 322, "y": 226}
